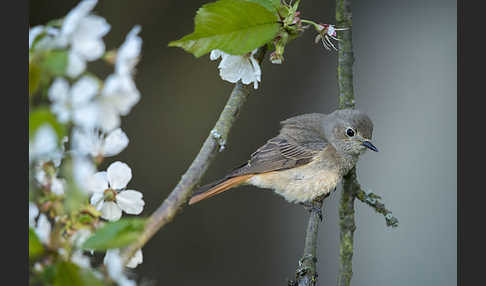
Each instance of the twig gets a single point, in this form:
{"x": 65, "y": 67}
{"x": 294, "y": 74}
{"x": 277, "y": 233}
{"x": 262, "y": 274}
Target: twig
{"x": 373, "y": 200}
{"x": 306, "y": 273}
{"x": 183, "y": 190}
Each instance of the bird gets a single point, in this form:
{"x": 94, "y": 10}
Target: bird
{"x": 305, "y": 161}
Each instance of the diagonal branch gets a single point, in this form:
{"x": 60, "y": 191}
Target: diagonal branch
{"x": 183, "y": 190}
{"x": 373, "y": 200}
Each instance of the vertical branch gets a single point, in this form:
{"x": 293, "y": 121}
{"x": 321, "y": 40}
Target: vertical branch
{"x": 347, "y": 227}
{"x": 346, "y": 100}
{"x": 306, "y": 273}
{"x": 345, "y": 54}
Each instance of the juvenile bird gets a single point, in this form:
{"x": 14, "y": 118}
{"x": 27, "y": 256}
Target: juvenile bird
{"x": 306, "y": 160}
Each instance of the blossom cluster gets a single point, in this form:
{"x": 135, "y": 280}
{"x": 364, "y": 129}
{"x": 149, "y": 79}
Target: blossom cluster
{"x": 72, "y": 130}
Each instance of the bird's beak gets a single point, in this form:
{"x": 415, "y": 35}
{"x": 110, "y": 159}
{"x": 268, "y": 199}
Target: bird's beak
{"x": 368, "y": 145}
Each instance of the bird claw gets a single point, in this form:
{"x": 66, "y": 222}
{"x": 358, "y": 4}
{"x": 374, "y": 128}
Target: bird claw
{"x": 310, "y": 207}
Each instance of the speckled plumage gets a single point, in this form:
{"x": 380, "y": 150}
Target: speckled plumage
{"x": 306, "y": 160}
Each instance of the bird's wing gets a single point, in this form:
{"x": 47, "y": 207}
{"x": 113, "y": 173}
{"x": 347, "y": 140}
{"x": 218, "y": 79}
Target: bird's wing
{"x": 277, "y": 154}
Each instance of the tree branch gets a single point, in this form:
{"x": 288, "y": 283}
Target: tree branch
{"x": 351, "y": 187}
{"x": 347, "y": 227}
{"x": 373, "y": 200}
{"x": 346, "y": 100}
{"x": 306, "y": 273}
{"x": 183, "y": 190}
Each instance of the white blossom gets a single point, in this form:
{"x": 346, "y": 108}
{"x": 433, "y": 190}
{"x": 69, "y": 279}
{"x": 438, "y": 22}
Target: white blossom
{"x": 129, "y": 52}
{"x": 33, "y": 33}
{"x": 52, "y": 182}
{"x": 83, "y": 170}
{"x": 233, "y": 68}
{"x": 74, "y": 103}
{"x": 33, "y": 213}
{"x": 132, "y": 263}
{"x": 95, "y": 143}
{"x": 44, "y": 145}
{"x": 80, "y": 237}
{"x": 80, "y": 259}
{"x": 47, "y": 41}
{"x": 114, "y": 265}
{"x": 43, "y": 229}
{"x": 112, "y": 184}
{"x": 83, "y": 32}
{"x": 326, "y": 33}
{"x": 119, "y": 92}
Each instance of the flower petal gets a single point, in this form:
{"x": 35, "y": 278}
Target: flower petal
{"x": 72, "y": 19}
{"x": 114, "y": 143}
{"x": 121, "y": 92}
{"x": 86, "y": 142}
{"x": 59, "y": 90}
{"x": 80, "y": 259}
{"x": 136, "y": 259}
{"x": 80, "y": 237}
{"x": 98, "y": 182}
{"x": 83, "y": 170}
{"x": 97, "y": 200}
{"x": 128, "y": 52}
{"x": 76, "y": 65}
{"x": 215, "y": 54}
{"x": 33, "y": 33}
{"x": 119, "y": 174}
{"x": 83, "y": 90}
{"x": 109, "y": 118}
{"x": 43, "y": 229}
{"x": 87, "y": 115}
{"x": 113, "y": 263}
{"x": 33, "y": 213}
{"x": 111, "y": 211}
{"x": 57, "y": 186}
{"x": 44, "y": 142}
{"x": 130, "y": 201}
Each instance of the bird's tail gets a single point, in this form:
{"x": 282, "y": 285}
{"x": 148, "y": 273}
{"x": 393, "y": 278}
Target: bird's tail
{"x": 218, "y": 187}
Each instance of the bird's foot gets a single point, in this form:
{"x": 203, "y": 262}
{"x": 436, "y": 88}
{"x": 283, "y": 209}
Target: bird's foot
{"x": 306, "y": 257}
{"x": 312, "y": 207}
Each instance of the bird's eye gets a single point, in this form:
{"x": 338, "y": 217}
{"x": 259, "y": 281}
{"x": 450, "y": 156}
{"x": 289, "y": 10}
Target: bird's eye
{"x": 350, "y": 132}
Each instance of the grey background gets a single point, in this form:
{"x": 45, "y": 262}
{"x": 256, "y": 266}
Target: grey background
{"x": 405, "y": 79}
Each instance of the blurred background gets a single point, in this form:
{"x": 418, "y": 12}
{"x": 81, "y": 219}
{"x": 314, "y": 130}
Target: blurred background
{"x": 405, "y": 79}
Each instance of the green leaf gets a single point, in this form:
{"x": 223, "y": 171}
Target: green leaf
{"x": 54, "y": 62}
{"x": 34, "y": 77}
{"x": 67, "y": 273}
{"x": 115, "y": 234}
{"x": 35, "y": 246}
{"x": 41, "y": 116}
{"x": 233, "y": 26}
{"x": 271, "y": 5}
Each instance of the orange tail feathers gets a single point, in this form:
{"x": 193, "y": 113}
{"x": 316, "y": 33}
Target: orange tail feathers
{"x": 219, "y": 188}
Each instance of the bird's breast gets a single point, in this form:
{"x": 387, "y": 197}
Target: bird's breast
{"x": 300, "y": 184}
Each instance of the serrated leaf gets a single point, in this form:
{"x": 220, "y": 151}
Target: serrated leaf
{"x": 233, "y": 26}
{"x": 54, "y": 62}
{"x": 115, "y": 234}
{"x": 35, "y": 246}
{"x": 41, "y": 116}
{"x": 271, "y": 5}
